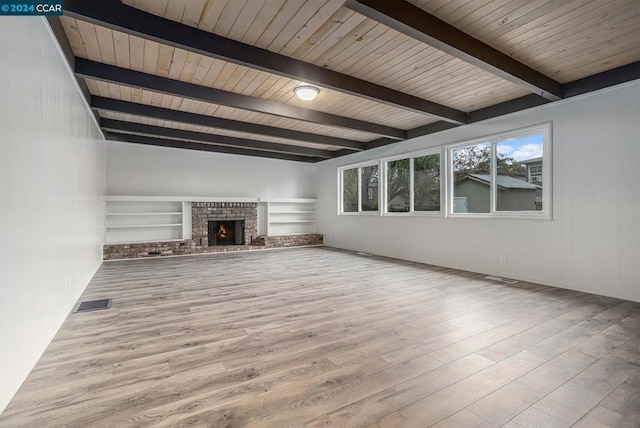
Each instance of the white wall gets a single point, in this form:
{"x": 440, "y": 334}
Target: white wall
{"x": 139, "y": 170}
{"x": 593, "y": 242}
{"x": 52, "y": 181}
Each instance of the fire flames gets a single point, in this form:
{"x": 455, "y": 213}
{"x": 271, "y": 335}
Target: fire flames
{"x": 222, "y": 232}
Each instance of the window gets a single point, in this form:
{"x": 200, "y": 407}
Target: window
{"x": 350, "y": 190}
{"x": 399, "y": 186}
{"x": 471, "y": 178}
{"x": 359, "y": 189}
{"x": 413, "y": 184}
{"x": 369, "y": 181}
{"x": 426, "y": 183}
{"x": 503, "y": 175}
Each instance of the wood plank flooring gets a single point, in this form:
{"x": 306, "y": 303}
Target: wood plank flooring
{"x": 319, "y": 337}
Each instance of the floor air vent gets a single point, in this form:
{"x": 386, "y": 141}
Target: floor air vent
{"x": 94, "y": 305}
{"x": 505, "y": 280}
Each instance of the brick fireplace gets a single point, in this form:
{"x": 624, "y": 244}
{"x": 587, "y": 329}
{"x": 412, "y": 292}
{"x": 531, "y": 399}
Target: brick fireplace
{"x": 204, "y": 213}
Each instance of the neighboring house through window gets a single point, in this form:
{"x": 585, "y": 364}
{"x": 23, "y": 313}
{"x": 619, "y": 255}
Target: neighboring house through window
{"x": 501, "y": 175}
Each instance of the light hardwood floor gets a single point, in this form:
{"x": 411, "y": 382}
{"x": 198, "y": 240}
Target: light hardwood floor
{"x": 320, "y": 337}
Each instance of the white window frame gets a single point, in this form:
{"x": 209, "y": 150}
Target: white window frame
{"x": 411, "y": 156}
{"x": 545, "y": 214}
{"x": 359, "y": 166}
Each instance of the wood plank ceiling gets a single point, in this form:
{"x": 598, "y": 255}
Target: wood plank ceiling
{"x": 219, "y": 75}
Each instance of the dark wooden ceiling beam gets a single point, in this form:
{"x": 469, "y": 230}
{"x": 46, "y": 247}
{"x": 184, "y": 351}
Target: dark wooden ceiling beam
{"x": 190, "y": 145}
{"x": 421, "y": 25}
{"x": 135, "y": 109}
{"x": 431, "y": 128}
{"x": 489, "y": 112}
{"x": 201, "y": 137}
{"x": 507, "y": 107}
{"x": 115, "y": 15}
{"x": 122, "y": 76}
{"x": 605, "y": 79}
{"x": 616, "y": 76}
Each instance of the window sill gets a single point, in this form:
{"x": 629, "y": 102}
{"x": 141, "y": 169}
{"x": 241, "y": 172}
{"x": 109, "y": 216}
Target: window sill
{"x": 365, "y": 213}
{"x": 415, "y": 214}
{"x": 527, "y": 216}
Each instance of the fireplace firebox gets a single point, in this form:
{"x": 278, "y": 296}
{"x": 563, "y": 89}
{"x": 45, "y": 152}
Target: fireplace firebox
{"x": 226, "y": 232}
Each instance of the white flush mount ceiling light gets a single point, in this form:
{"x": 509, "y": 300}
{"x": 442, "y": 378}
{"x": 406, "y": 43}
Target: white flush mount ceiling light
{"x": 306, "y": 92}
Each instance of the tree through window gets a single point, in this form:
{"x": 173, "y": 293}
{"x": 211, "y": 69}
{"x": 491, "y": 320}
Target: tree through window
{"x": 359, "y": 187}
{"x": 413, "y": 184}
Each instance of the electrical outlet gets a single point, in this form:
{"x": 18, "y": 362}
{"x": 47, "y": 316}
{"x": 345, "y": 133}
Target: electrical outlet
{"x": 503, "y": 258}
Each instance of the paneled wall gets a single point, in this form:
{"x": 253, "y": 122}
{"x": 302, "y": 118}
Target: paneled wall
{"x": 593, "y": 242}
{"x": 52, "y": 183}
{"x": 138, "y": 170}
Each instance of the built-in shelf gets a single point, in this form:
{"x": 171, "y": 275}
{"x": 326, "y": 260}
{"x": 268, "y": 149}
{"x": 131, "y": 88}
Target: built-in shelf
{"x": 144, "y": 214}
{"x": 132, "y": 220}
{"x": 291, "y": 216}
{"x": 141, "y": 226}
{"x": 291, "y": 221}
{"x": 293, "y": 212}
{"x": 145, "y": 241}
